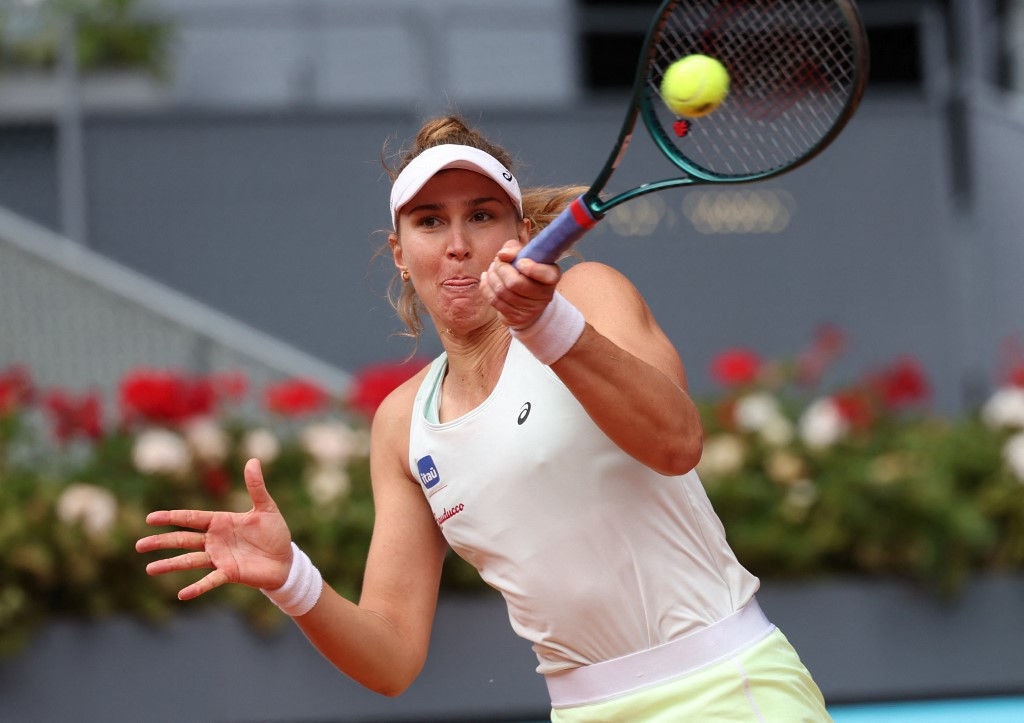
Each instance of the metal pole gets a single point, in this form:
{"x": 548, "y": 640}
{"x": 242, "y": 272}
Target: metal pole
{"x": 70, "y": 154}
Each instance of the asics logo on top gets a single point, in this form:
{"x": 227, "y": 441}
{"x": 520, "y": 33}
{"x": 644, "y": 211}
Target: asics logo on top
{"x": 524, "y": 412}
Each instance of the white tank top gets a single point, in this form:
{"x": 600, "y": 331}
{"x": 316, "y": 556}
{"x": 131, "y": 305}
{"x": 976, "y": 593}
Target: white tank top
{"x": 596, "y": 555}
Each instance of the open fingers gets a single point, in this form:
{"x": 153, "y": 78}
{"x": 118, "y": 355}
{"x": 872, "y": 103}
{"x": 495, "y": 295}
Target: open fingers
{"x": 254, "y": 482}
{"x": 179, "y": 540}
{"x": 214, "y": 579}
{"x": 191, "y": 519}
{"x": 188, "y": 561}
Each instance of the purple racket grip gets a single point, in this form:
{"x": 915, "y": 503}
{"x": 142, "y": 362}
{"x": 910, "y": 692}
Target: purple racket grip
{"x": 556, "y": 238}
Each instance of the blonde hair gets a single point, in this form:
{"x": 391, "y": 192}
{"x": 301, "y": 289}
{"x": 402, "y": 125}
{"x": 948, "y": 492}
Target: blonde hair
{"x": 540, "y": 204}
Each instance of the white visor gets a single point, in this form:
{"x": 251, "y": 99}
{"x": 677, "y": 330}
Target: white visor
{"x": 439, "y": 158}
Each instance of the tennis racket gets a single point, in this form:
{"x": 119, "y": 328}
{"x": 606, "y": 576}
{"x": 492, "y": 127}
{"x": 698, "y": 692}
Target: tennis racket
{"x": 797, "y": 72}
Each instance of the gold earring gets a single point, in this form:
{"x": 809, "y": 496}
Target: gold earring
{"x": 405, "y": 275}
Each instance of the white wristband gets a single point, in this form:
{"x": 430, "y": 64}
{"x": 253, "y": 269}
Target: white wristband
{"x": 301, "y": 590}
{"x": 555, "y": 331}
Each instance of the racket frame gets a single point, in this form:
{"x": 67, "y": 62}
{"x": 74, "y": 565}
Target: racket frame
{"x": 587, "y": 210}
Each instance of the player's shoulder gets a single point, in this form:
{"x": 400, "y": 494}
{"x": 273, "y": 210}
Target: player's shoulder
{"x": 397, "y": 405}
{"x": 594, "y": 280}
{"x": 392, "y": 422}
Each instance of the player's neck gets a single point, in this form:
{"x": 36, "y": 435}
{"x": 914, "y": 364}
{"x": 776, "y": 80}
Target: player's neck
{"x": 473, "y": 371}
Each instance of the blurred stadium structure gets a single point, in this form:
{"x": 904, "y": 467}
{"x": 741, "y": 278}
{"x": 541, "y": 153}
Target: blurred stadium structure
{"x": 70, "y": 311}
{"x": 79, "y": 320}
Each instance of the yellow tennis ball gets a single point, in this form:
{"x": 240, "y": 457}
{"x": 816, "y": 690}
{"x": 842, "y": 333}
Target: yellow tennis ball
{"x": 695, "y": 86}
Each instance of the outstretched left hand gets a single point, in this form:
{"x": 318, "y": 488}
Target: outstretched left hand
{"x": 252, "y": 548}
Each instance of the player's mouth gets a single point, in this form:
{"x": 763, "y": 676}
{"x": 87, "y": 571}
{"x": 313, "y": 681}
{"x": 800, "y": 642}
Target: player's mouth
{"x": 460, "y": 283}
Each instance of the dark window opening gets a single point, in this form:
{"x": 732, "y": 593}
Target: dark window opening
{"x": 610, "y": 55}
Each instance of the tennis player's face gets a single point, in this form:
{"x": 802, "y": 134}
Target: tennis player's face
{"x": 448, "y": 235}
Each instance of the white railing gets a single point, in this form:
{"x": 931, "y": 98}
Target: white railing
{"x": 80, "y": 321}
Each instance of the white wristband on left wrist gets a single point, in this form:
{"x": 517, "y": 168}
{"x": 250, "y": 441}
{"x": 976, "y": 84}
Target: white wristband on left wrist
{"x": 301, "y": 590}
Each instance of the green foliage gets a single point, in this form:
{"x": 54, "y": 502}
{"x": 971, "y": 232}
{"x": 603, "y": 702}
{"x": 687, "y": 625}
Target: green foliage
{"x": 67, "y": 537}
{"x": 865, "y": 481}
{"x": 109, "y": 34}
{"x": 807, "y": 483}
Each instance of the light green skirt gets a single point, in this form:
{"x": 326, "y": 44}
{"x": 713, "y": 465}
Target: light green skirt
{"x": 763, "y": 683}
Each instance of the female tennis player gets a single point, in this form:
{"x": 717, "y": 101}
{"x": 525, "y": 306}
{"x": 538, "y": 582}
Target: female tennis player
{"x": 552, "y": 445}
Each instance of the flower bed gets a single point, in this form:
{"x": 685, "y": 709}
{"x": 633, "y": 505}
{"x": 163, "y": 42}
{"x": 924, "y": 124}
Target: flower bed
{"x": 75, "y": 487}
{"x": 863, "y": 478}
{"x": 860, "y": 479}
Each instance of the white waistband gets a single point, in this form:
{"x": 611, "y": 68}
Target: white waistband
{"x": 618, "y": 676}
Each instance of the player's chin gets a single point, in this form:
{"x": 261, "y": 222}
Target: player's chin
{"x": 463, "y": 307}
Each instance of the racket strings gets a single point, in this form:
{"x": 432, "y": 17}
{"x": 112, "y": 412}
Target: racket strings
{"x": 793, "y": 66}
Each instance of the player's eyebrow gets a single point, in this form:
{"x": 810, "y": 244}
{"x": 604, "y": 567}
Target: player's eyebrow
{"x": 469, "y": 203}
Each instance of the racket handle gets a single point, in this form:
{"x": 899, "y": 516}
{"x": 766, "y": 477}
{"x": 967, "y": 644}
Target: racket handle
{"x": 558, "y": 236}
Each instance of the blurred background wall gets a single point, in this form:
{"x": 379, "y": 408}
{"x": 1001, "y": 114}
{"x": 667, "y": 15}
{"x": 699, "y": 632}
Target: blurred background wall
{"x": 247, "y": 176}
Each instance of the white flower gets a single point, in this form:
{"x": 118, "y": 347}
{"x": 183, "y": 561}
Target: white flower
{"x": 755, "y": 411}
{"x": 330, "y": 443}
{"x": 1005, "y": 408}
{"x": 94, "y": 507}
{"x": 761, "y": 413}
{"x": 822, "y": 424}
{"x": 1013, "y": 453}
{"x": 723, "y": 454}
{"x": 161, "y": 451}
{"x": 208, "y": 440}
{"x": 262, "y": 444}
{"x": 327, "y": 484}
{"x": 778, "y": 432}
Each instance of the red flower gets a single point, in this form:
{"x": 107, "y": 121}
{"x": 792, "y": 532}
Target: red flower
{"x": 165, "y": 397}
{"x": 230, "y": 386}
{"x": 15, "y": 389}
{"x": 374, "y": 383}
{"x": 856, "y": 408}
{"x": 294, "y": 397}
{"x": 902, "y": 383}
{"x": 216, "y": 481}
{"x": 73, "y": 416}
{"x": 1012, "y": 351}
{"x": 735, "y": 367}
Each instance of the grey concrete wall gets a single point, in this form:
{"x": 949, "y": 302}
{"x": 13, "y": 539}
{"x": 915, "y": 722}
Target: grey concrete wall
{"x": 273, "y": 218}
{"x": 861, "y": 639}
{"x": 993, "y": 265}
